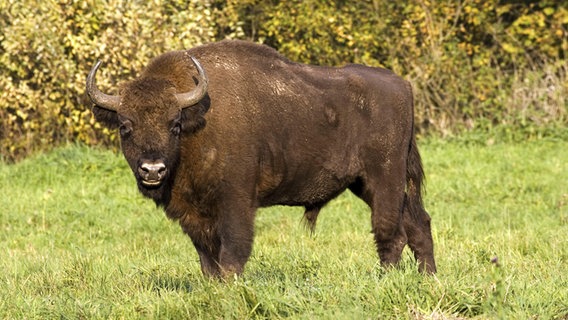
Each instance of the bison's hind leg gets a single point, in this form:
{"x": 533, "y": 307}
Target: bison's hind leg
{"x": 417, "y": 226}
{"x": 383, "y": 190}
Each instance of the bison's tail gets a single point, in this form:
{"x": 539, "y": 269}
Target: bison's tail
{"x": 414, "y": 179}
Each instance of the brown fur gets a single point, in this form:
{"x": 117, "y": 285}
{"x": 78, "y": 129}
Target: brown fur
{"x": 270, "y": 132}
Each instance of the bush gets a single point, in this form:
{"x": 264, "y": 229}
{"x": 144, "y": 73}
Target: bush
{"x": 473, "y": 64}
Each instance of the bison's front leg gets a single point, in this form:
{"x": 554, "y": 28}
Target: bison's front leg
{"x": 203, "y": 233}
{"x": 224, "y": 243}
{"x": 236, "y": 233}
{"x": 209, "y": 258}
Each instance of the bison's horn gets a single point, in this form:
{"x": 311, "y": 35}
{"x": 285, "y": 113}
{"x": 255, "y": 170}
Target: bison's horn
{"x": 99, "y": 98}
{"x": 192, "y": 97}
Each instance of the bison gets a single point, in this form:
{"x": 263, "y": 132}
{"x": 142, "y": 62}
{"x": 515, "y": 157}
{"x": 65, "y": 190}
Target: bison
{"x": 217, "y": 131}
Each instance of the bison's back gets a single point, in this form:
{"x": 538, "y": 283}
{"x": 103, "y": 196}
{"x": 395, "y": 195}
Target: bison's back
{"x": 256, "y": 82}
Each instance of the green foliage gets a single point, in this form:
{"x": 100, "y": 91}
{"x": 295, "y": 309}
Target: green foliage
{"x": 78, "y": 241}
{"x": 473, "y": 64}
{"x": 48, "y": 47}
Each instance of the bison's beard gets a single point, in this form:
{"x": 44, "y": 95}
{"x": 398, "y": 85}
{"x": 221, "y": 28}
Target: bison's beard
{"x": 160, "y": 194}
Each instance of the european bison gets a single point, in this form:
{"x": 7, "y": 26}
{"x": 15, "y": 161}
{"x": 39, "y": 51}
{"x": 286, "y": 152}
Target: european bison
{"x": 217, "y": 131}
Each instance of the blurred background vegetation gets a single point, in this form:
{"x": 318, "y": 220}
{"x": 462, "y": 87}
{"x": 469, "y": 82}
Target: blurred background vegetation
{"x": 496, "y": 67}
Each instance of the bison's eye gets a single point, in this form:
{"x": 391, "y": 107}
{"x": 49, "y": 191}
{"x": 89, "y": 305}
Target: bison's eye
{"x": 125, "y": 128}
{"x": 176, "y": 129}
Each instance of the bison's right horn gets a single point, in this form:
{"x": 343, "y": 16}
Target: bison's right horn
{"x": 192, "y": 97}
{"x": 99, "y": 98}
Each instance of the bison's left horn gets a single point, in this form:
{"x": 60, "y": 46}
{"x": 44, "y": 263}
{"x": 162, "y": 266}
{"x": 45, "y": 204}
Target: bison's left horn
{"x": 192, "y": 97}
{"x": 99, "y": 98}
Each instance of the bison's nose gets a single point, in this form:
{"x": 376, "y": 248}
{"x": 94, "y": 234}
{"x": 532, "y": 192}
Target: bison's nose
{"x": 152, "y": 173}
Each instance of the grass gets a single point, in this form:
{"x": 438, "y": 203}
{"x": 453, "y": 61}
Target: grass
{"x": 77, "y": 241}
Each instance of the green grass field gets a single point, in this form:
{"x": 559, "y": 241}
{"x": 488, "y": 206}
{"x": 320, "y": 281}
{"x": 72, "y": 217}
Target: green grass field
{"x": 77, "y": 241}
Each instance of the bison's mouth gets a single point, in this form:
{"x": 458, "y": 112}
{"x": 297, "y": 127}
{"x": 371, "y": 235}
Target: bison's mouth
{"x": 151, "y": 183}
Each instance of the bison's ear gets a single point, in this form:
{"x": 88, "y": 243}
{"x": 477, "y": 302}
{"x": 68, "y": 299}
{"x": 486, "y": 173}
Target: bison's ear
{"x": 106, "y": 117}
{"x": 192, "y": 118}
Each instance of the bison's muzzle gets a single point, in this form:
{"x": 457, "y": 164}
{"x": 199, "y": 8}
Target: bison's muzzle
{"x": 152, "y": 173}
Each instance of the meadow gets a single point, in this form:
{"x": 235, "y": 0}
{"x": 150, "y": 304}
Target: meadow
{"x": 78, "y": 241}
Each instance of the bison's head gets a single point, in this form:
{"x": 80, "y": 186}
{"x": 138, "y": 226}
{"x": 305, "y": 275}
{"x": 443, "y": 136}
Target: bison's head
{"x": 152, "y": 116}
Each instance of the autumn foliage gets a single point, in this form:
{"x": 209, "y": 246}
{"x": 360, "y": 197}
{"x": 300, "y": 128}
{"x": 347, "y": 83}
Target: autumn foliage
{"x": 473, "y": 64}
